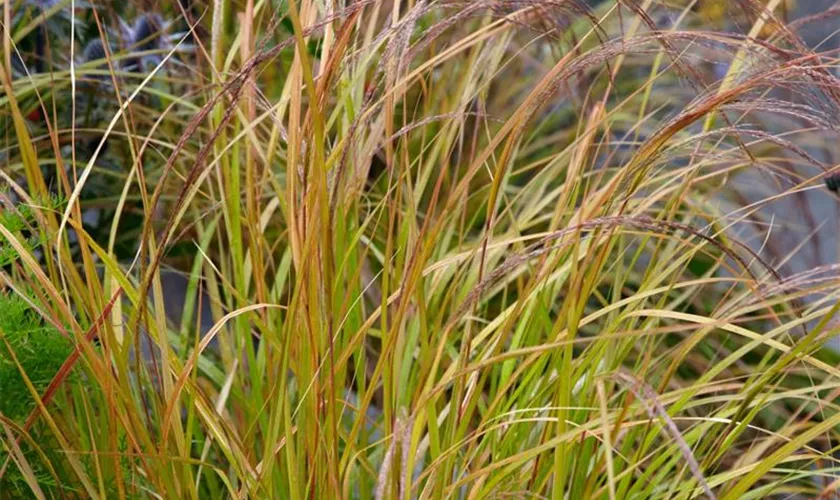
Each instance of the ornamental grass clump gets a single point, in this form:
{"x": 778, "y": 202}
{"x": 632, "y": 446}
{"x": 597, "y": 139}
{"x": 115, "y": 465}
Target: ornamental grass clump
{"x": 421, "y": 249}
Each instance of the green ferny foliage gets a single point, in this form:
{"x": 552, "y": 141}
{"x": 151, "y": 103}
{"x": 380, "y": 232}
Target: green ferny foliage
{"x": 40, "y": 350}
{"x": 18, "y": 222}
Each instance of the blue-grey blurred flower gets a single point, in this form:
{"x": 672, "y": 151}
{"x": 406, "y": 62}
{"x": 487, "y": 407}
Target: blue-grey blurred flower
{"x": 149, "y": 36}
{"x": 146, "y": 34}
{"x": 94, "y": 50}
{"x": 44, "y": 4}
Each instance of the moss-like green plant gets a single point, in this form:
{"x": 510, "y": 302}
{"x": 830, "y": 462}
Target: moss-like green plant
{"x": 18, "y": 221}
{"x": 39, "y": 350}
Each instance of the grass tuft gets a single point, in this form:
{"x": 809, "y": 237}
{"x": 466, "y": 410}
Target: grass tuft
{"x": 417, "y": 249}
